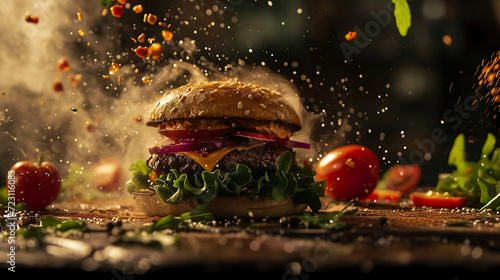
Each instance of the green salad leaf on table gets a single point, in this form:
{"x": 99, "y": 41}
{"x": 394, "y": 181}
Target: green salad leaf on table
{"x": 478, "y": 181}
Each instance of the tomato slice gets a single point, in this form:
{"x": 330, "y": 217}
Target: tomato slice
{"x": 200, "y": 133}
{"x": 437, "y": 200}
{"x": 403, "y": 178}
{"x": 385, "y": 195}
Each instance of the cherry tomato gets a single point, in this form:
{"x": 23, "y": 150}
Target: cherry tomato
{"x": 437, "y": 200}
{"x": 403, "y": 178}
{"x": 350, "y": 171}
{"x": 37, "y": 185}
{"x": 387, "y": 195}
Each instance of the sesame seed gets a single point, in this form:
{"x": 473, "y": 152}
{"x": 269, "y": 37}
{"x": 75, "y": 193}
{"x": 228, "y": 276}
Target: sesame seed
{"x": 201, "y": 113}
{"x": 262, "y": 105}
{"x": 250, "y": 97}
{"x": 246, "y": 112}
{"x": 173, "y": 109}
{"x": 240, "y": 105}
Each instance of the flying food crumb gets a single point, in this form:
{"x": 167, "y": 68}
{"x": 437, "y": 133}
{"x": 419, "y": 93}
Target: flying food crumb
{"x": 167, "y": 35}
{"x": 63, "y": 65}
{"x": 351, "y": 35}
{"x": 29, "y": 18}
{"x": 137, "y": 9}
{"x": 74, "y": 109}
{"x": 142, "y": 52}
{"x": 117, "y": 10}
{"x": 151, "y": 19}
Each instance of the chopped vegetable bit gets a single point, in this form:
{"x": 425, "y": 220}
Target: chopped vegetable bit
{"x": 137, "y": 9}
{"x": 57, "y": 86}
{"x": 81, "y": 32}
{"x": 62, "y": 64}
{"x": 142, "y": 52}
{"x": 146, "y": 80}
{"x": 167, "y": 35}
{"x": 141, "y": 38}
{"x": 151, "y": 19}
{"x": 117, "y": 10}
{"x": 122, "y": 2}
{"x": 351, "y": 35}
{"x": 113, "y": 68}
{"x": 478, "y": 181}
{"x": 155, "y": 51}
{"x": 29, "y": 18}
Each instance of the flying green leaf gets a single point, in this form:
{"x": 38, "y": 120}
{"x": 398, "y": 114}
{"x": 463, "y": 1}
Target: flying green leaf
{"x": 402, "y": 14}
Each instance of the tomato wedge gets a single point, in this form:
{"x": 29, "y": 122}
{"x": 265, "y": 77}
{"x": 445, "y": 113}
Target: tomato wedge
{"x": 383, "y": 195}
{"x": 437, "y": 200}
{"x": 403, "y": 178}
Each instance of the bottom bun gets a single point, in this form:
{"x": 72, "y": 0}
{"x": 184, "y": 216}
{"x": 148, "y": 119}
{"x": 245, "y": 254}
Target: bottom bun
{"x": 222, "y": 207}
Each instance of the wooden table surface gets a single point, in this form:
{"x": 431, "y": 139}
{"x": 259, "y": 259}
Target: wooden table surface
{"x": 380, "y": 240}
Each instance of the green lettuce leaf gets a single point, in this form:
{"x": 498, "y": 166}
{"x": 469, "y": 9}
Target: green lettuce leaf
{"x": 402, "y": 14}
{"x": 288, "y": 181}
{"x": 478, "y": 181}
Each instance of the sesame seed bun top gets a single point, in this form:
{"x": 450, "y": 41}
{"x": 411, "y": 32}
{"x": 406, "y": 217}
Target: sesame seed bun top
{"x": 224, "y": 100}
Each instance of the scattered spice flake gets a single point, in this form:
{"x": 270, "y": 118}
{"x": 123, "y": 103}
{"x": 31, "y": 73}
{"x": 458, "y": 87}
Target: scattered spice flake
{"x": 137, "y": 9}
{"x": 81, "y": 32}
{"x": 447, "y": 40}
{"x": 142, "y": 52}
{"x": 152, "y": 19}
{"x": 43, "y": 102}
{"x": 141, "y": 38}
{"x": 74, "y": 109}
{"x": 151, "y": 40}
{"x": 167, "y": 35}
{"x": 29, "y": 18}
{"x": 133, "y": 39}
{"x": 117, "y": 10}
{"x": 155, "y": 51}
{"x": 137, "y": 119}
{"x": 113, "y": 68}
{"x": 105, "y": 77}
{"x": 351, "y": 35}
{"x": 146, "y": 80}
{"x": 79, "y": 16}
{"x": 104, "y": 12}
{"x": 62, "y": 64}
{"x": 57, "y": 86}
{"x": 119, "y": 79}
{"x": 90, "y": 127}
{"x": 75, "y": 79}
{"x": 122, "y": 2}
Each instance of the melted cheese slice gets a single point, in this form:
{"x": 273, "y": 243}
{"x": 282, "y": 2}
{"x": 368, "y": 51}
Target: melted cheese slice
{"x": 210, "y": 160}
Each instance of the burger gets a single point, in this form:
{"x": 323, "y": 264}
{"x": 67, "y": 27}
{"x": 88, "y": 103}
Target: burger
{"x": 225, "y": 146}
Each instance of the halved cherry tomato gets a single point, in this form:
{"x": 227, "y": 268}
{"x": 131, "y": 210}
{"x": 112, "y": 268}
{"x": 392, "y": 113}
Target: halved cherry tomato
{"x": 403, "y": 178}
{"x": 37, "y": 185}
{"x": 437, "y": 200}
{"x": 350, "y": 171}
{"x": 387, "y": 195}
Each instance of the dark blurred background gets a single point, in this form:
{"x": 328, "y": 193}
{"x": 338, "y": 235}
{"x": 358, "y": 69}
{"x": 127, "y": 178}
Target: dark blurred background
{"x": 392, "y": 94}
{"x": 403, "y": 97}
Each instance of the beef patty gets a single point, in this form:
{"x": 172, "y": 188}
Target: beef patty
{"x": 260, "y": 159}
